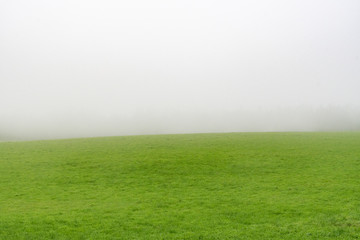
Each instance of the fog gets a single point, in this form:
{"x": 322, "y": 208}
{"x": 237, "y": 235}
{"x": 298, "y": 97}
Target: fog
{"x": 105, "y": 68}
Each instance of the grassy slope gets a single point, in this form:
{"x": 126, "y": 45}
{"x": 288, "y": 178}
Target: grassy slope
{"x": 201, "y": 186}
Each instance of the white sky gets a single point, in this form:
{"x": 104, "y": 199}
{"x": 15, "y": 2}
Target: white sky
{"x": 112, "y": 60}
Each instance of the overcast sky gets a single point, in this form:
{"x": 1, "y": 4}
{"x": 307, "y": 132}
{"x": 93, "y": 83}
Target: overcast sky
{"x": 93, "y": 68}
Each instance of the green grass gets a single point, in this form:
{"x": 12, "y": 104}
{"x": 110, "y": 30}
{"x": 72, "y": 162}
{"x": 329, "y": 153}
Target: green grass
{"x": 196, "y": 186}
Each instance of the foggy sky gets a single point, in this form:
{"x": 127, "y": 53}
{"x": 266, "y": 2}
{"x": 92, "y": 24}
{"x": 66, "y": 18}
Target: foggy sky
{"x": 76, "y": 68}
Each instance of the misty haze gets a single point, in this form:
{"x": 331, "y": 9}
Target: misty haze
{"x": 101, "y": 68}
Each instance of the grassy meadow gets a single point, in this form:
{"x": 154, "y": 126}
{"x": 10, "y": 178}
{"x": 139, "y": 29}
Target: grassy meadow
{"x": 192, "y": 186}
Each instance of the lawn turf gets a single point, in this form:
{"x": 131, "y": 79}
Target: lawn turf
{"x": 192, "y": 186}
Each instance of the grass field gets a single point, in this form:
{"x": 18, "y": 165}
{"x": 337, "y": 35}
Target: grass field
{"x": 196, "y": 186}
